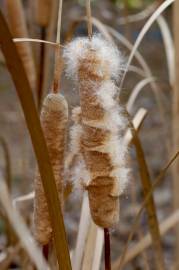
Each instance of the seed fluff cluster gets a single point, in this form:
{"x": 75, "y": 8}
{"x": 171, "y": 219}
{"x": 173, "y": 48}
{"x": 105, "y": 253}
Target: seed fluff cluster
{"x": 99, "y": 124}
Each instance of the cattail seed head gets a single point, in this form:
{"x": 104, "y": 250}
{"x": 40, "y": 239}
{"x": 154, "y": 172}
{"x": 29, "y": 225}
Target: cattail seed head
{"x": 94, "y": 64}
{"x": 54, "y": 117}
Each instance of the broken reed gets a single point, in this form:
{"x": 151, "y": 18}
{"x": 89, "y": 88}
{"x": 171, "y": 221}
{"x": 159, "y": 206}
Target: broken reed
{"x": 18, "y": 27}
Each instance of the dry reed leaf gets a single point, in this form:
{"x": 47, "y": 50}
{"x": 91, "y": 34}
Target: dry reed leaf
{"x": 54, "y": 117}
{"x": 98, "y": 249}
{"x": 136, "y": 91}
{"x": 21, "y": 229}
{"x": 144, "y": 30}
{"x": 118, "y": 264}
{"x": 33, "y": 123}
{"x": 89, "y": 251}
{"x": 142, "y": 15}
{"x": 7, "y": 160}
{"x": 82, "y": 234}
{"x": 155, "y": 88}
{"x": 8, "y": 177}
{"x": 137, "y": 123}
{"x": 35, "y": 40}
{"x": 146, "y": 241}
{"x": 24, "y": 198}
{"x": 18, "y": 28}
{"x": 169, "y": 47}
{"x": 150, "y": 205}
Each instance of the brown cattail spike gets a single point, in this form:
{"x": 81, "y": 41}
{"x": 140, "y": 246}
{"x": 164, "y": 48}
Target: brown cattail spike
{"x": 94, "y": 63}
{"x": 54, "y": 117}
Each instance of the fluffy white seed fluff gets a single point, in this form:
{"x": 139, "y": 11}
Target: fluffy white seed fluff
{"x": 75, "y": 137}
{"x": 75, "y": 167}
{"x": 106, "y": 94}
{"x": 76, "y": 50}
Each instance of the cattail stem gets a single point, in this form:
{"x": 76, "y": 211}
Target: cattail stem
{"x": 58, "y": 59}
{"x": 107, "y": 249}
{"x": 45, "y": 251}
{"x": 89, "y": 19}
{"x": 41, "y": 69}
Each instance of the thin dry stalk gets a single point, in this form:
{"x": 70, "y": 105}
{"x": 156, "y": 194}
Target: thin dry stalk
{"x": 35, "y": 40}
{"x": 50, "y": 36}
{"x": 43, "y": 12}
{"x": 33, "y": 123}
{"x": 40, "y": 69}
{"x": 58, "y": 58}
{"x": 107, "y": 250}
{"x": 18, "y": 28}
{"x": 89, "y": 18}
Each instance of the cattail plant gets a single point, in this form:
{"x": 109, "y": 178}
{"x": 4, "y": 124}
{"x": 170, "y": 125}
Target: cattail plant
{"x": 54, "y": 116}
{"x": 95, "y": 65}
